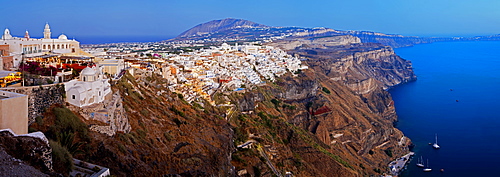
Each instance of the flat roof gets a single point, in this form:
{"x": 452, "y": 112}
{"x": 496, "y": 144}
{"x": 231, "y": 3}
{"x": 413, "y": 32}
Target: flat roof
{"x": 7, "y": 95}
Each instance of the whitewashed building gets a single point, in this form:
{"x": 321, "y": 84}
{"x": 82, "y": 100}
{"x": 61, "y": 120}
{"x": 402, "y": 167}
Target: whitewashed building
{"x": 112, "y": 66}
{"x": 31, "y": 47}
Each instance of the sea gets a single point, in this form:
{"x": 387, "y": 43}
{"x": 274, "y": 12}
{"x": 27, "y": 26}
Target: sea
{"x": 457, "y": 97}
{"x": 119, "y": 39}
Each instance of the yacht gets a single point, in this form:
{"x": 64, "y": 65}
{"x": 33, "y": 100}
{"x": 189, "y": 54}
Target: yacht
{"x": 427, "y": 168}
{"x": 435, "y": 145}
{"x": 420, "y": 162}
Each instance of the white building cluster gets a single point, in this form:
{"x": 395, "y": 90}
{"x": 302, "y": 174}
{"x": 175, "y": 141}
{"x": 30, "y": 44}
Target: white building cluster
{"x": 19, "y": 47}
{"x": 203, "y": 72}
{"x": 200, "y": 73}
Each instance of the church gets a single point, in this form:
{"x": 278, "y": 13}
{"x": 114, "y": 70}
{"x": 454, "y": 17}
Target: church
{"x": 91, "y": 88}
{"x": 26, "y": 47}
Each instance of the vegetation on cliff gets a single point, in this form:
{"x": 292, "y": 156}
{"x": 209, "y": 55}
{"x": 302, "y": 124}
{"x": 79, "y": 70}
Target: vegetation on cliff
{"x": 314, "y": 133}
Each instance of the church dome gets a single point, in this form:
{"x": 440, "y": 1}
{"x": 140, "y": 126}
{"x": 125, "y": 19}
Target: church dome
{"x": 88, "y": 72}
{"x": 62, "y": 36}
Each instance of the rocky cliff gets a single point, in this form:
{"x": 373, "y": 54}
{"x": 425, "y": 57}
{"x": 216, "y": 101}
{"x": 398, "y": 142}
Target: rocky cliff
{"x": 362, "y": 67}
{"x": 168, "y": 136}
{"x": 315, "y": 126}
{"x": 341, "y": 101}
{"x": 316, "y": 42}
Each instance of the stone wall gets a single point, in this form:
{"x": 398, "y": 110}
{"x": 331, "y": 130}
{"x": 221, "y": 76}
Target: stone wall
{"x": 40, "y": 98}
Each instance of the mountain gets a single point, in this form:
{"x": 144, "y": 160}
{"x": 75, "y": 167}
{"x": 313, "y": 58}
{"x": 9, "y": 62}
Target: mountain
{"x": 244, "y": 30}
{"x": 237, "y": 29}
{"x": 219, "y": 25}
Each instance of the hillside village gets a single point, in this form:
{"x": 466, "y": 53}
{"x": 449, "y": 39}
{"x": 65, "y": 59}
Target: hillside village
{"x": 138, "y": 100}
{"x": 200, "y": 73}
{"x": 197, "y": 72}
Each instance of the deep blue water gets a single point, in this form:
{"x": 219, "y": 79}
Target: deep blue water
{"x": 468, "y": 130}
{"x": 116, "y": 39}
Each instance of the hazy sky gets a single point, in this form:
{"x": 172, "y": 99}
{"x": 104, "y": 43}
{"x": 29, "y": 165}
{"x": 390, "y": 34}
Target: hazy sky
{"x": 171, "y": 17}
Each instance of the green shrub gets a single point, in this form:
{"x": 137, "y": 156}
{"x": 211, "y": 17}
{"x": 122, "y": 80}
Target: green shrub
{"x": 237, "y": 158}
{"x": 180, "y": 113}
{"x": 67, "y": 121}
{"x": 291, "y": 107}
{"x": 276, "y": 102}
{"x": 66, "y": 139}
{"x": 167, "y": 136}
{"x": 145, "y": 112}
{"x": 39, "y": 120}
{"x": 180, "y": 96}
{"x": 326, "y": 90}
{"x": 31, "y": 129}
{"x": 241, "y": 136}
{"x": 61, "y": 159}
{"x": 142, "y": 134}
{"x": 123, "y": 137}
{"x": 388, "y": 152}
{"x": 178, "y": 122}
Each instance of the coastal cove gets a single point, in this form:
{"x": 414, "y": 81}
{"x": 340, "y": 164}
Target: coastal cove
{"x": 456, "y": 96}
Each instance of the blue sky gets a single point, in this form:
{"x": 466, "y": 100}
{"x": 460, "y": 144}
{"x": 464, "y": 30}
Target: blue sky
{"x": 171, "y": 17}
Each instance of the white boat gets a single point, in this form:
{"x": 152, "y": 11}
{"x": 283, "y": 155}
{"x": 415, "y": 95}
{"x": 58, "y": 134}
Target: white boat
{"x": 420, "y": 162}
{"x": 435, "y": 145}
{"x": 427, "y": 169}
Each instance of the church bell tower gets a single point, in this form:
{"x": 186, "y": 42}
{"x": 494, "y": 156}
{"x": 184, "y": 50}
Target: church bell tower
{"x": 46, "y": 31}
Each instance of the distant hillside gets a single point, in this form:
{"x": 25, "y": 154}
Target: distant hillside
{"x": 230, "y": 29}
{"x": 243, "y": 30}
{"x": 220, "y": 25}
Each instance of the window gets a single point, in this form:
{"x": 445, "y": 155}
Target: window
{"x": 73, "y": 97}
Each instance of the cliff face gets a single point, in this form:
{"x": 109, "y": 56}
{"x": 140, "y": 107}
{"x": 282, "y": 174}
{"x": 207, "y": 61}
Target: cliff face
{"x": 316, "y": 42}
{"x": 362, "y": 67}
{"x": 342, "y": 105}
{"x": 314, "y": 126}
{"x": 167, "y": 135}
